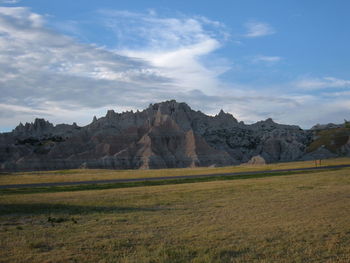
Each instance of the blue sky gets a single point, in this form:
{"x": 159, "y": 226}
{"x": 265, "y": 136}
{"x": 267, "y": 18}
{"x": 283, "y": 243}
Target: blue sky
{"x": 70, "y": 60}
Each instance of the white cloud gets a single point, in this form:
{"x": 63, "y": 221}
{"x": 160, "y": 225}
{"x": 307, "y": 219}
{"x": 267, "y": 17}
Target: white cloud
{"x": 266, "y": 59}
{"x": 176, "y": 46}
{"x": 9, "y": 1}
{"x": 258, "y": 29}
{"x": 322, "y": 83}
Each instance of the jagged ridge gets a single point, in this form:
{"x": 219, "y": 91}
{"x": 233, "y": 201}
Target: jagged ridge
{"x": 165, "y": 135}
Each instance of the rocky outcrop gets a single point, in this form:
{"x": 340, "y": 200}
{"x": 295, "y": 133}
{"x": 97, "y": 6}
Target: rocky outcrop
{"x": 165, "y": 135}
{"x": 256, "y": 160}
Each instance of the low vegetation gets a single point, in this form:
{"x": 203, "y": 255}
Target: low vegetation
{"x": 331, "y": 139}
{"x": 302, "y": 217}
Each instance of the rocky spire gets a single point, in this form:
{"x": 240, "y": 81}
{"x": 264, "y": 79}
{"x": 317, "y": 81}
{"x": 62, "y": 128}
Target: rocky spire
{"x": 110, "y": 114}
{"x": 226, "y": 116}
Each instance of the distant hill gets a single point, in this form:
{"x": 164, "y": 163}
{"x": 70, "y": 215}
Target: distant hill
{"x": 165, "y": 135}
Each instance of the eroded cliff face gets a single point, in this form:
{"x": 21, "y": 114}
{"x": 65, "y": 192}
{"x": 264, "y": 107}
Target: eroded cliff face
{"x": 165, "y": 135}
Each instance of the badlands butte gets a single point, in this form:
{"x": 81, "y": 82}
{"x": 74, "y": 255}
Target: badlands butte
{"x": 165, "y": 135}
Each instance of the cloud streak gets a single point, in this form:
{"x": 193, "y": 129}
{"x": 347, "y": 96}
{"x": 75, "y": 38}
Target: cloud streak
{"x": 266, "y": 59}
{"x": 258, "y": 29}
{"x": 176, "y": 46}
{"x": 322, "y": 83}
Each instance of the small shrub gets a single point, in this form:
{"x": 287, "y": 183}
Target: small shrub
{"x": 56, "y": 220}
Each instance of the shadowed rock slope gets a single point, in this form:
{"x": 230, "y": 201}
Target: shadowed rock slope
{"x": 165, "y": 135}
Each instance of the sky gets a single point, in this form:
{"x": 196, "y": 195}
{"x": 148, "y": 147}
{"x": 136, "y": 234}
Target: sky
{"x": 67, "y": 61}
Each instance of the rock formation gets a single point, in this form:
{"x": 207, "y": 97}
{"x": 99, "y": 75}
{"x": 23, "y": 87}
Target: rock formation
{"x": 256, "y": 160}
{"x": 165, "y": 135}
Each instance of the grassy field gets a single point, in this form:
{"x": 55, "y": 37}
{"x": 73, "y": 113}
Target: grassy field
{"x": 302, "y": 217}
{"x": 90, "y": 174}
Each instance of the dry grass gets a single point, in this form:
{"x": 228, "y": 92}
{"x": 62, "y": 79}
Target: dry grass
{"x": 90, "y": 174}
{"x": 296, "y": 218}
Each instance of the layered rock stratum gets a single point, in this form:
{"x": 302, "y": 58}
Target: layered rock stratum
{"x": 165, "y": 135}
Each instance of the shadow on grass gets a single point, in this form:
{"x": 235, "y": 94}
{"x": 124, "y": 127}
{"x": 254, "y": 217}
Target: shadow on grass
{"x": 48, "y": 209}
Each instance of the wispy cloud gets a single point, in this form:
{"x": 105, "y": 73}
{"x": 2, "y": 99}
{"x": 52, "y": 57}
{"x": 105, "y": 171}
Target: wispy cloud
{"x": 322, "y": 83}
{"x": 177, "y": 46}
{"x": 258, "y": 29}
{"x": 266, "y": 59}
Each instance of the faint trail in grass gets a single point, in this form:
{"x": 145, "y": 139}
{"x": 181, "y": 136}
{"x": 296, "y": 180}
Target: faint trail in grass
{"x": 125, "y": 183}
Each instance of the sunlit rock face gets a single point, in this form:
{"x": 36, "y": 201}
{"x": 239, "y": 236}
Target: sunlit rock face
{"x": 165, "y": 135}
